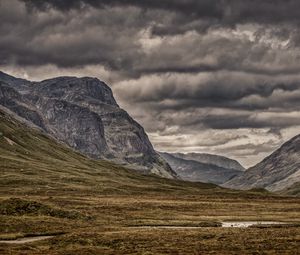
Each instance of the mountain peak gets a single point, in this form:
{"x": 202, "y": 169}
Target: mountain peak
{"x": 82, "y": 113}
{"x": 80, "y": 89}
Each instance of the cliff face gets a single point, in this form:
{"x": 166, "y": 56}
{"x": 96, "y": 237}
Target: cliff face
{"x": 199, "y": 167}
{"x": 83, "y": 113}
{"x": 276, "y": 172}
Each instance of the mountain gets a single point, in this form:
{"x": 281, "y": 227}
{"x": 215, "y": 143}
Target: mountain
{"x": 211, "y": 159}
{"x": 82, "y": 113}
{"x": 97, "y": 207}
{"x": 34, "y": 163}
{"x": 293, "y": 190}
{"x": 276, "y": 172}
{"x": 199, "y": 167}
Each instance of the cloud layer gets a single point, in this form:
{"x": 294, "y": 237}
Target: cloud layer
{"x": 219, "y": 76}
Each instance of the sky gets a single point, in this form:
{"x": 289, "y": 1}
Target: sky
{"x": 212, "y": 76}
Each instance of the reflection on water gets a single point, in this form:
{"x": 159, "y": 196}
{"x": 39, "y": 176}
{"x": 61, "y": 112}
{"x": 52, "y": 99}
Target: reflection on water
{"x": 245, "y": 224}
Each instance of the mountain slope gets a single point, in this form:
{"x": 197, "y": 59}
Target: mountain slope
{"x": 97, "y": 207}
{"x": 83, "y": 113}
{"x": 278, "y": 171}
{"x": 31, "y": 162}
{"x": 293, "y": 190}
{"x": 203, "y": 167}
{"x": 211, "y": 159}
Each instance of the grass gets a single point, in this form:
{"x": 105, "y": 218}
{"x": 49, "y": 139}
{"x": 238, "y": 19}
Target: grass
{"x": 21, "y": 207}
{"x": 43, "y": 183}
{"x": 15, "y": 236}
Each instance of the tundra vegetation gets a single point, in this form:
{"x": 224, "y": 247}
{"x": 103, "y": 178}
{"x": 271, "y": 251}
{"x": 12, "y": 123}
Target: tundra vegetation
{"x": 97, "y": 207}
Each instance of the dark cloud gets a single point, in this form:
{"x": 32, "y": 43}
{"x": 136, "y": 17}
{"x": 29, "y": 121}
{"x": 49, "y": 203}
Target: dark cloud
{"x": 218, "y": 89}
{"x": 231, "y": 11}
{"x": 193, "y": 119}
{"x": 201, "y": 8}
{"x": 236, "y": 121}
{"x": 110, "y": 33}
{"x": 180, "y": 67}
{"x": 243, "y": 149}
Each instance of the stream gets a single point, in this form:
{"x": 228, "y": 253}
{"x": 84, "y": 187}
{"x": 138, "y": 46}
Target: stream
{"x": 26, "y": 239}
{"x": 245, "y": 224}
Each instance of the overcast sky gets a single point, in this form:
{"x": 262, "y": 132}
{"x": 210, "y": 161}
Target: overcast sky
{"x": 214, "y": 76}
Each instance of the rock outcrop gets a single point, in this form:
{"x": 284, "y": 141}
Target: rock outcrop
{"x": 83, "y": 113}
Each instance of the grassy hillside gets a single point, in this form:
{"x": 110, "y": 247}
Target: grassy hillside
{"x": 96, "y": 207}
{"x": 33, "y": 163}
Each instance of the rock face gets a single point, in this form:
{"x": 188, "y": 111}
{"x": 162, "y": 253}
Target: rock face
{"x": 293, "y": 190}
{"x": 83, "y": 113}
{"x": 199, "y": 167}
{"x": 276, "y": 172}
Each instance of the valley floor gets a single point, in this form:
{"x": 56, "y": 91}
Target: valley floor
{"x": 115, "y": 224}
{"x": 97, "y": 207}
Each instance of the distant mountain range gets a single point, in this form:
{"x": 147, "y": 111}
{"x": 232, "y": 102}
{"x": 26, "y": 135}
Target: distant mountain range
{"x": 82, "y": 113}
{"x": 279, "y": 171}
{"x": 198, "y": 167}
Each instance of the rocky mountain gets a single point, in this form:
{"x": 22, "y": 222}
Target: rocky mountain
{"x": 82, "y": 113}
{"x": 293, "y": 190}
{"x": 199, "y": 167}
{"x": 276, "y": 172}
{"x": 212, "y": 159}
{"x": 34, "y": 164}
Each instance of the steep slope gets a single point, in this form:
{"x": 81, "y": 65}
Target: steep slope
{"x": 31, "y": 162}
{"x": 293, "y": 190}
{"x": 203, "y": 167}
{"x": 83, "y": 113}
{"x": 278, "y": 171}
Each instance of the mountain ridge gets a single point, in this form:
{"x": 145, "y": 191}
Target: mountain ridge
{"x": 278, "y": 171}
{"x": 201, "y": 167}
{"x": 83, "y": 113}
{"x": 215, "y": 159}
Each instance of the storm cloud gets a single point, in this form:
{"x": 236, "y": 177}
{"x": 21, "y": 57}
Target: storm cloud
{"x": 200, "y": 75}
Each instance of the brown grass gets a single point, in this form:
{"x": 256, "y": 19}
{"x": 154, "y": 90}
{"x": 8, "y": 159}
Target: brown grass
{"x": 113, "y": 204}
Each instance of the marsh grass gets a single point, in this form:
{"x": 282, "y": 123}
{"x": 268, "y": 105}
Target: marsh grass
{"x": 15, "y": 236}
{"x": 20, "y": 207}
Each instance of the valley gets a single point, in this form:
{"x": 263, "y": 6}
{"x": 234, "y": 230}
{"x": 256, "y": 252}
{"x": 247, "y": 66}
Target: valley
{"x": 97, "y": 207}
{"x": 149, "y": 127}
